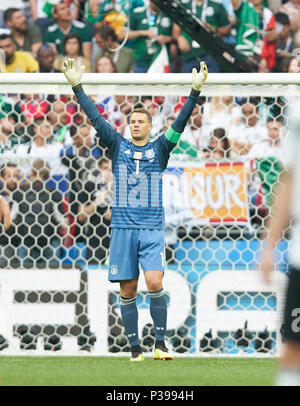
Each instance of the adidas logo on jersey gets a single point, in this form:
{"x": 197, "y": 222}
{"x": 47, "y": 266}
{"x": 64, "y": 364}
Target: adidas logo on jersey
{"x": 127, "y": 152}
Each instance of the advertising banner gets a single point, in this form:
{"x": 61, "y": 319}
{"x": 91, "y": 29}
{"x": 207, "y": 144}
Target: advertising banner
{"x": 211, "y": 192}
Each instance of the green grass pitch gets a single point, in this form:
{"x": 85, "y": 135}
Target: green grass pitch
{"x": 118, "y": 371}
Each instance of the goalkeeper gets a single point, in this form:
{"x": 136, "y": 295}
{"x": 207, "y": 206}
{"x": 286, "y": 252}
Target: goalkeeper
{"x": 137, "y": 221}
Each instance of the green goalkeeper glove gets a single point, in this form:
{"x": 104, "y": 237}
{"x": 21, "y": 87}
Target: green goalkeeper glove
{"x": 73, "y": 76}
{"x": 198, "y": 79}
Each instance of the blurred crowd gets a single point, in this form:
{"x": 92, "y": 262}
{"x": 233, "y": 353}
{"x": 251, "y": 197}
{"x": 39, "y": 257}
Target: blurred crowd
{"x": 121, "y": 36}
{"x": 56, "y": 174}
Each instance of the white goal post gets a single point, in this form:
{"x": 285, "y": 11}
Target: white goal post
{"x": 166, "y": 84}
{"x": 217, "y": 302}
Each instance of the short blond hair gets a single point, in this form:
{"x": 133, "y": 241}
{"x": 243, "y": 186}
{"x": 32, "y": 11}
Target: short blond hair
{"x": 142, "y": 111}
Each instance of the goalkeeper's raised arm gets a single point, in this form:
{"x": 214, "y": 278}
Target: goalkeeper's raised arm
{"x": 177, "y": 127}
{"x": 104, "y": 130}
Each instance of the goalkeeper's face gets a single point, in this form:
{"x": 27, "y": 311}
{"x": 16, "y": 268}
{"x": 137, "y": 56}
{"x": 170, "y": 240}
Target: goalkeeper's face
{"x": 140, "y": 127}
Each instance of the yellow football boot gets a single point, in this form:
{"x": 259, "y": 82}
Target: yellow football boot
{"x": 161, "y": 354}
{"x": 137, "y": 357}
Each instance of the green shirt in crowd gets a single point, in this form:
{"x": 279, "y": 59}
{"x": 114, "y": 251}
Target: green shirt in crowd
{"x": 106, "y": 6}
{"x": 123, "y": 59}
{"x": 144, "y": 48}
{"x": 55, "y": 36}
{"x": 209, "y": 12}
{"x": 32, "y": 36}
{"x": 185, "y": 148}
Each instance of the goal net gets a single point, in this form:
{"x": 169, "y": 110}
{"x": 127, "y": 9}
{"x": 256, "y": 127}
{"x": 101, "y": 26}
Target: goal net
{"x": 219, "y": 188}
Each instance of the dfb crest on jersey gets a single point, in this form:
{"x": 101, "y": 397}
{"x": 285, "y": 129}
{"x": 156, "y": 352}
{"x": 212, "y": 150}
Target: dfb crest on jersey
{"x": 149, "y": 154}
